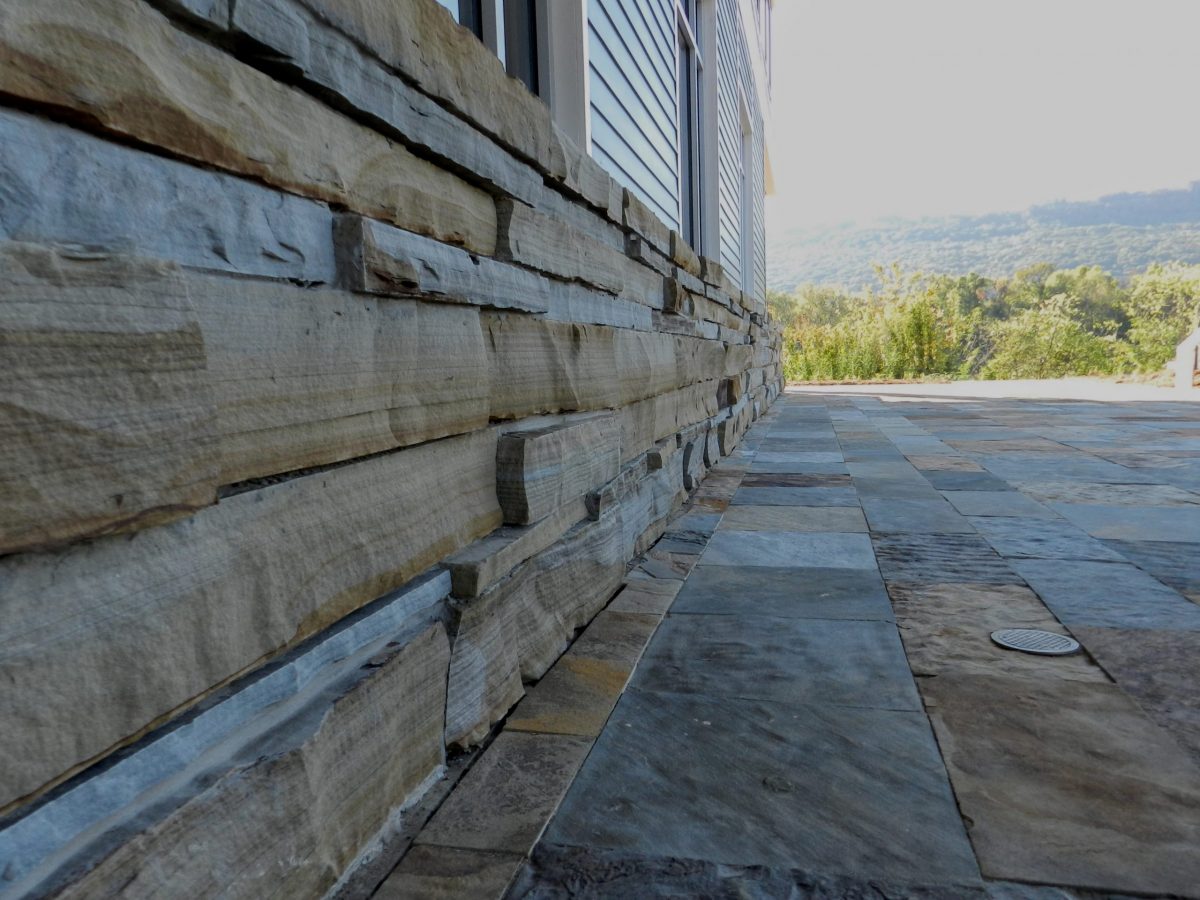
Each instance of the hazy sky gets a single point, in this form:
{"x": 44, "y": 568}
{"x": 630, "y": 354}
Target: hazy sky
{"x": 915, "y": 107}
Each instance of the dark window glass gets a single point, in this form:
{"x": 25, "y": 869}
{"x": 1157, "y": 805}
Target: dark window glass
{"x": 470, "y": 15}
{"x": 521, "y": 41}
{"x": 687, "y": 144}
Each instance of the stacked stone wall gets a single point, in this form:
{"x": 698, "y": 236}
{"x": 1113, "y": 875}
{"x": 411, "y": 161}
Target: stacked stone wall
{"x": 340, "y": 388}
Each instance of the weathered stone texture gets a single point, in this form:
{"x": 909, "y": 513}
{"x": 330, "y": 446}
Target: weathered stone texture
{"x": 541, "y": 470}
{"x": 309, "y": 795}
{"x": 515, "y": 630}
{"x": 63, "y": 186}
{"x": 133, "y": 629}
{"x": 302, "y": 298}
{"x": 114, "y": 60}
{"x": 139, "y": 389}
{"x": 85, "y": 452}
{"x": 449, "y": 63}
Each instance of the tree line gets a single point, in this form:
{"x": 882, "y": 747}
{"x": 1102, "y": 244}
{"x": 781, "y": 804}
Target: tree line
{"x": 1041, "y": 322}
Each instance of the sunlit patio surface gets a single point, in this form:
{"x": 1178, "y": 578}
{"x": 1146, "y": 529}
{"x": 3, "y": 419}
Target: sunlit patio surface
{"x": 823, "y": 712}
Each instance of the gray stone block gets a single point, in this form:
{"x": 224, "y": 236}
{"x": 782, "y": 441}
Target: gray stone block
{"x": 63, "y": 186}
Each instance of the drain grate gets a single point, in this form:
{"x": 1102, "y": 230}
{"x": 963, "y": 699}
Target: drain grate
{"x": 1030, "y": 640}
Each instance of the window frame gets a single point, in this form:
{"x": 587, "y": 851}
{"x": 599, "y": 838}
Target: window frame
{"x": 690, "y": 16}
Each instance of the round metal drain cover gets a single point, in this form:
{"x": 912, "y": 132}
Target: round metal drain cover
{"x": 1030, "y": 640}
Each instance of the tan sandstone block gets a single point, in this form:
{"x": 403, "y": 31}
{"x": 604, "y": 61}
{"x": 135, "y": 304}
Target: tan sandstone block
{"x": 132, "y": 630}
{"x": 291, "y": 812}
{"x": 419, "y": 38}
{"x": 108, "y": 421}
{"x": 127, "y": 68}
{"x": 539, "y": 470}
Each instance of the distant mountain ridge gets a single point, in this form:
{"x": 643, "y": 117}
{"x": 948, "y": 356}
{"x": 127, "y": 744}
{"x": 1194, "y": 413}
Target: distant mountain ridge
{"x": 1123, "y": 233}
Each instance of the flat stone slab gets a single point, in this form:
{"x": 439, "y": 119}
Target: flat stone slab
{"x": 786, "y": 496}
{"x": 998, "y": 503}
{"x": 652, "y": 596}
{"x": 956, "y": 480}
{"x": 789, "y": 549}
{"x": 946, "y": 629}
{"x": 905, "y": 487}
{"x": 580, "y": 690}
{"x": 815, "y": 456}
{"x": 838, "y": 791}
{"x": 1174, "y": 564}
{"x": 915, "y": 516}
{"x": 1041, "y": 539}
{"x": 1017, "y": 468}
{"x": 808, "y": 593}
{"x": 1068, "y": 783}
{"x": 837, "y": 467}
{"x": 937, "y": 462}
{"x": 1159, "y": 669}
{"x": 1089, "y": 492}
{"x": 940, "y": 558}
{"x": 449, "y": 873}
{"x": 793, "y": 518}
{"x": 779, "y": 659}
{"x": 506, "y": 798}
{"x": 1107, "y": 595}
{"x": 558, "y": 870}
{"x": 792, "y": 479}
{"x": 1135, "y": 523}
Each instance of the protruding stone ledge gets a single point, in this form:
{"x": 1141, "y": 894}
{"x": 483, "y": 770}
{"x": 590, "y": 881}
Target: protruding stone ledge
{"x": 308, "y": 730}
{"x": 483, "y": 563}
{"x": 377, "y": 258}
{"x": 540, "y": 470}
{"x": 516, "y": 629}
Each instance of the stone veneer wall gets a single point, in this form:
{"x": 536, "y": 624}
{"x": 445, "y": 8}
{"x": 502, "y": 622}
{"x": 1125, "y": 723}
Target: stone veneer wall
{"x": 339, "y": 389}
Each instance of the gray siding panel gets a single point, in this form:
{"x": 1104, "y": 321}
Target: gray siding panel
{"x": 735, "y": 81}
{"x": 631, "y": 57}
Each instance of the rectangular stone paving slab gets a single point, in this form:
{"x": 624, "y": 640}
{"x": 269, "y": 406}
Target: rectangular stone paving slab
{"x": 789, "y": 549}
{"x": 809, "y": 593}
{"x": 1077, "y": 466}
{"x": 449, "y": 873}
{"x": 1135, "y": 523}
{"x": 761, "y": 479}
{"x": 1159, "y": 669}
{"x": 1068, "y": 783}
{"x": 946, "y": 629}
{"x": 507, "y": 797}
{"x": 1174, "y": 564}
{"x": 1089, "y": 492}
{"x": 824, "y": 456}
{"x": 940, "y": 558}
{"x": 558, "y": 870}
{"x": 952, "y": 480}
{"x": 945, "y": 463}
{"x": 646, "y": 595}
{"x": 793, "y": 518}
{"x": 998, "y": 503}
{"x": 850, "y": 663}
{"x": 1041, "y": 539}
{"x": 902, "y": 487}
{"x": 828, "y": 790}
{"x": 788, "y": 496}
{"x": 1108, "y": 595}
{"x": 915, "y": 516}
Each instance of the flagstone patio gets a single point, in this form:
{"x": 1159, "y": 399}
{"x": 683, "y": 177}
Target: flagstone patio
{"x": 821, "y": 712}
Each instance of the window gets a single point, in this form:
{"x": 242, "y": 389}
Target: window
{"x": 747, "y": 197}
{"x": 510, "y": 29}
{"x": 690, "y": 68}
